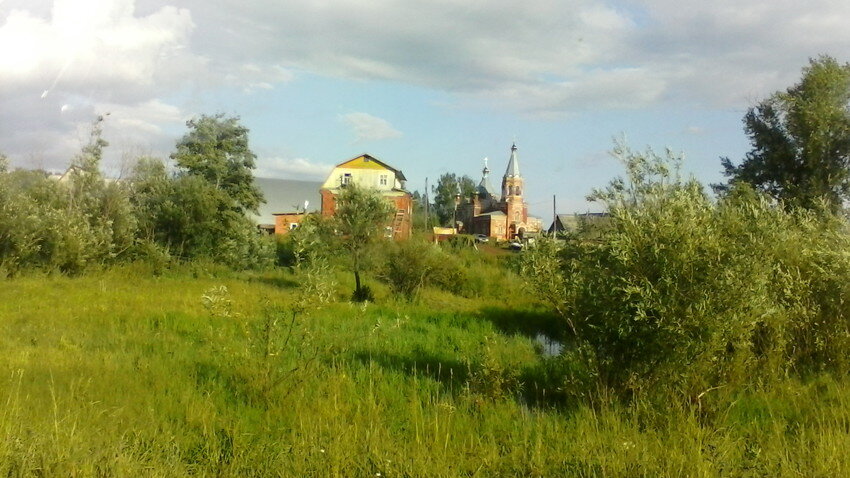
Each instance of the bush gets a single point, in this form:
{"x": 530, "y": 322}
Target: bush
{"x": 680, "y": 294}
{"x": 408, "y": 265}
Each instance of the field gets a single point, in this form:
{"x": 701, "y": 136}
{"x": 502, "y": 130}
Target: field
{"x": 201, "y": 371}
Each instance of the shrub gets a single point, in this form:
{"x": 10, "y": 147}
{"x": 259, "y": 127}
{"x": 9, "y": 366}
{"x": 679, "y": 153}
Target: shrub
{"x": 682, "y": 294}
{"x": 409, "y": 265}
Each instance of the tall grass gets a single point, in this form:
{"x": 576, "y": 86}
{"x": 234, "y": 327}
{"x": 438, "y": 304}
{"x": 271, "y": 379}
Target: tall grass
{"x": 124, "y": 373}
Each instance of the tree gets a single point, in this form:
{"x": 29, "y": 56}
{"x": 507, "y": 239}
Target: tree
{"x": 800, "y": 139}
{"x": 186, "y": 216}
{"x": 421, "y": 219}
{"x": 448, "y": 187}
{"x": 361, "y": 218}
{"x": 216, "y": 149}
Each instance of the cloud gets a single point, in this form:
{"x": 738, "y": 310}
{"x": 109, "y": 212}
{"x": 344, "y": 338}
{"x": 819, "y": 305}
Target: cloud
{"x": 368, "y": 128}
{"x": 294, "y": 168}
{"x": 545, "y": 59}
{"x": 62, "y": 63}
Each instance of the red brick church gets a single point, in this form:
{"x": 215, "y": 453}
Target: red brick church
{"x": 502, "y": 216}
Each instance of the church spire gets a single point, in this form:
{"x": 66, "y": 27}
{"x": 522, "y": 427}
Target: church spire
{"x": 513, "y": 164}
{"x": 485, "y": 189}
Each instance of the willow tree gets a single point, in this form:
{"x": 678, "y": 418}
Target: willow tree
{"x": 361, "y": 218}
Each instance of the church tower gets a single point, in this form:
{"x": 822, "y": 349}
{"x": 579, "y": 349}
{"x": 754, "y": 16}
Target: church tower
{"x": 512, "y": 189}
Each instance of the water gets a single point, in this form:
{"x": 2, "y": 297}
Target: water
{"x": 550, "y": 347}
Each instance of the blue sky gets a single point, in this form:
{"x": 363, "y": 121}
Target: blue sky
{"x": 429, "y": 87}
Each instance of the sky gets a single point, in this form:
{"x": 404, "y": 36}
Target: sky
{"x": 428, "y": 86}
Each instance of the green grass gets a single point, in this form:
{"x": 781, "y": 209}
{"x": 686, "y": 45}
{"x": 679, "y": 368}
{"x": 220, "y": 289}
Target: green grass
{"x": 123, "y": 373}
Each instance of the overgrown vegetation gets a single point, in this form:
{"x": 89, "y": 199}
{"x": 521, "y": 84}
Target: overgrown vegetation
{"x": 681, "y": 295}
{"x": 682, "y": 336}
{"x": 139, "y": 374}
{"x": 83, "y": 219}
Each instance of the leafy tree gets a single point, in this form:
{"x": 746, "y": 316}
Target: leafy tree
{"x": 216, "y": 149}
{"x": 448, "y": 187}
{"x": 361, "y": 218}
{"x": 187, "y": 217}
{"x": 801, "y": 139}
{"x": 201, "y": 211}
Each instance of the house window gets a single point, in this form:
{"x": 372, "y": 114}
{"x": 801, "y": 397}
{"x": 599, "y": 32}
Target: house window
{"x": 293, "y": 225}
{"x": 383, "y": 180}
{"x": 346, "y": 179}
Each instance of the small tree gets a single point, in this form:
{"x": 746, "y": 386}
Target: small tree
{"x": 361, "y": 218}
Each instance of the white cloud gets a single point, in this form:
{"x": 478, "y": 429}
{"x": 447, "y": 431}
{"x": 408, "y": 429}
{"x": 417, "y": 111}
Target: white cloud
{"x": 294, "y": 168}
{"x": 367, "y": 127}
{"x": 544, "y": 58}
{"x": 64, "y": 62}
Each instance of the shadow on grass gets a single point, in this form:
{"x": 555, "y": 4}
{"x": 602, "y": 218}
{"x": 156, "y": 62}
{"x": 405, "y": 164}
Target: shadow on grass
{"x": 528, "y": 322}
{"x": 451, "y": 373}
{"x": 277, "y": 281}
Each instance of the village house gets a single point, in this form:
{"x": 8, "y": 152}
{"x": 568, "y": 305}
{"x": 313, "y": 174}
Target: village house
{"x": 368, "y": 171}
{"x": 571, "y": 223}
{"x": 501, "y": 216}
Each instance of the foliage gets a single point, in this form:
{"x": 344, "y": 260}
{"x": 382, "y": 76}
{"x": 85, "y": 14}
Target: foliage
{"x": 216, "y": 149}
{"x": 421, "y": 219}
{"x": 448, "y": 187}
{"x": 801, "y": 139}
{"x": 64, "y": 225}
{"x": 682, "y": 295}
{"x": 360, "y": 219}
{"x": 201, "y": 211}
{"x": 408, "y": 266}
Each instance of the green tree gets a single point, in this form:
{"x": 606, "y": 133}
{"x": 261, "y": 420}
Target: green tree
{"x": 421, "y": 221}
{"x": 449, "y": 185}
{"x": 216, "y": 149}
{"x": 800, "y": 139}
{"x": 361, "y": 218}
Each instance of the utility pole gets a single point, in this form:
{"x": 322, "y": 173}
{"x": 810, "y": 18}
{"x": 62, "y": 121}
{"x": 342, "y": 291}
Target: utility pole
{"x": 554, "y": 217}
{"x": 427, "y": 208}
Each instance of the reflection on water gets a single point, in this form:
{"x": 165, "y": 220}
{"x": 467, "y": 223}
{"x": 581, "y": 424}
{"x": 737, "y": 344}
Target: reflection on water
{"x": 550, "y": 347}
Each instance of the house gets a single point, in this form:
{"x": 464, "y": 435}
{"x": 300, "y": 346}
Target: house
{"x": 368, "y": 171}
{"x": 502, "y": 216}
{"x": 567, "y": 223}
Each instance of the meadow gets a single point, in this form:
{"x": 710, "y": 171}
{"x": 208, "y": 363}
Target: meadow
{"x": 196, "y": 370}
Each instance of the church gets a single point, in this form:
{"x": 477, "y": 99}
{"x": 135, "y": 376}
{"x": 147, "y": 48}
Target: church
{"x": 503, "y": 216}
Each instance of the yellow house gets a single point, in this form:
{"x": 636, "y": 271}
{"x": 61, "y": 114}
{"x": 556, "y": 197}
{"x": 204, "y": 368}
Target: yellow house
{"x": 370, "y": 172}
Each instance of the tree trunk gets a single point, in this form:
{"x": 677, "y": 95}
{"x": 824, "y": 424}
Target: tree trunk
{"x": 356, "y": 283}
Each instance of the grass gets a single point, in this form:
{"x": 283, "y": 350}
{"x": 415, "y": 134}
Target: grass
{"x": 124, "y": 373}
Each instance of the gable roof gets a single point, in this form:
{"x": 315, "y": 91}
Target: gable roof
{"x": 367, "y": 158}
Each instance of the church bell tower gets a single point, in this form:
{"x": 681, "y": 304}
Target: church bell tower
{"x": 512, "y": 190}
